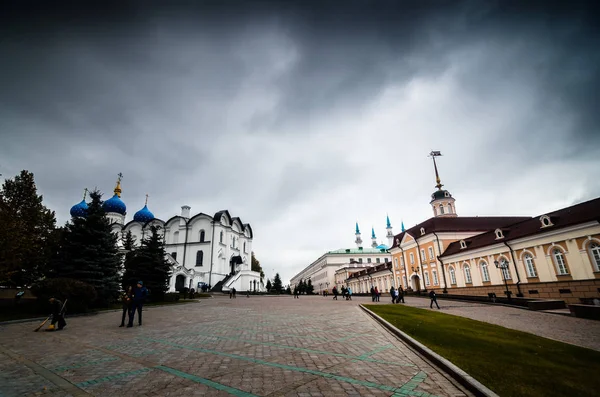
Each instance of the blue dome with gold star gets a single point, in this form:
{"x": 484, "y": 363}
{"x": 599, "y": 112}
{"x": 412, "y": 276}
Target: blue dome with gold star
{"x": 79, "y": 210}
{"x": 115, "y": 204}
{"x": 144, "y": 215}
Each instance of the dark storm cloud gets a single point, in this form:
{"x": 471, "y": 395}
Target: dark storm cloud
{"x": 261, "y": 106}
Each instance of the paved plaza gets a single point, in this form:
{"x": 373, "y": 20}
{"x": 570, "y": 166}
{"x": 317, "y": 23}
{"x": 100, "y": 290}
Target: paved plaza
{"x": 257, "y": 346}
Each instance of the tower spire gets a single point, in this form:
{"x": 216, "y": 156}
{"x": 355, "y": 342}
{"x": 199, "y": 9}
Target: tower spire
{"x": 357, "y": 229}
{"x": 358, "y": 240}
{"x": 388, "y": 224}
{"x": 373, "y": 238}
{"x": 403, "y": 229}
{"x": 146, "y": 203}
{"x": 433, "y": 155}
{"x": 118, "y": 187}
{"x": 85, "y": 191}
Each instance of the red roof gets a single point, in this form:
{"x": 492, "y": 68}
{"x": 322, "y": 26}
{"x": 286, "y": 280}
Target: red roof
{"x": 588, "y": 211}
{"x": 459, "y": 224}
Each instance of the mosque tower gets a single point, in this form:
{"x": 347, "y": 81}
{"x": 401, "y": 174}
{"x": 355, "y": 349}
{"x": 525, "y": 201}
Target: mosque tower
{"x": 389, "y": 232}
{"x": 373, "y": 238}
{"x": 114, "y": 207}
{"x": 358, "y": 240}
{"x": 441, "y": 200}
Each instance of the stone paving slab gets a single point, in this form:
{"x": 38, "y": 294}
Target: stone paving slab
{"x": 245, "y": 347}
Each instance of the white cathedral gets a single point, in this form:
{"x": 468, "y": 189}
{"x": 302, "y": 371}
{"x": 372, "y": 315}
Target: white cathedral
{"x": 203, "y": 250}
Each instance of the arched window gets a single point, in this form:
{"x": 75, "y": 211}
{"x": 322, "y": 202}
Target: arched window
{"x": 485, "y": 274}
{"x": 505, "y": 270}
{"x": 202, "y": 236}
{"x": 405, "y": 281}
{"x": 528, "y": 260}
{"x": 441, "y": 209}
{"x": 452, "y": 275}
{"x": 199, "y": 258}
{"x": 559, "y": 262}
{"x": 412, "y": 259}
{"x": 175, "y": 237}
{"x": 594, "y": 250}
{"x": 221, "y": 237}
{"x": 449, "y": 208}
{"x": 467, "y": 270}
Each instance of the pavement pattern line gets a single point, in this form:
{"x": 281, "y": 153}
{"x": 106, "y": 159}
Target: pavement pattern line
{"x": 59, "y": 381}
{"x": 290, "y": 367}
{"x": 89, "y": 363}
{"x": 364, "y": 357}
{"x": 122, "y": 375}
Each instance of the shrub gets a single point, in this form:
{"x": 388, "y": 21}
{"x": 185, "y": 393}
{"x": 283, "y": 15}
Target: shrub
{"x": 171, "y": 297}
{"x": 79, "y": 294}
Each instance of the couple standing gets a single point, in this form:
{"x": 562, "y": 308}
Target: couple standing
{"x": 132, "y": 300}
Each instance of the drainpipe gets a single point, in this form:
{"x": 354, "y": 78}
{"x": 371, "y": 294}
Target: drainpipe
{"x": 445, "y": 291}
{"x": 421, "y": 265}
{"x": 512, "y": 254}
{"x": 212, "y": 242}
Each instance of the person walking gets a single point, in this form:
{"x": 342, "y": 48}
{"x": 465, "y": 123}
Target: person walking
{"x": 393, "y": 294}
{"x": 139, "y": 295}
{"x": 400, "y": 295}
{"x": 433, "y": 298}
{"x": 234, "y": 291}
{"x": 372, "y": 294}
{"x": 377, "y": 294}
{"x": 349, "y": 293}
{"x": 126, "y": 301}
{"x": 335, "y": 293}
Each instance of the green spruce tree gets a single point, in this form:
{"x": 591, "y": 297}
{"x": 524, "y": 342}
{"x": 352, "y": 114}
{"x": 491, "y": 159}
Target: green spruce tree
{"x": 277, "y": 285}
{"x": 309, "y": 287}
{"x": 89, "y": 252}
{"x": 255, "y": 266}
{"x": 269, "y": 286}
{"x": 149, "y": 264}
{"x": 27, "y": 235}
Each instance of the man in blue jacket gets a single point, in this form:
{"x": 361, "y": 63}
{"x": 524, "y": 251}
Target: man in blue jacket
{"x": 139, "y": 295}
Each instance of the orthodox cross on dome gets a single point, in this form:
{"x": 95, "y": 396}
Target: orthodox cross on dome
{"x": 118, "y": 187}
{"x": 146, "y": 203}
{"x": 85, "y": 192}
{"x": 433, "y": 155}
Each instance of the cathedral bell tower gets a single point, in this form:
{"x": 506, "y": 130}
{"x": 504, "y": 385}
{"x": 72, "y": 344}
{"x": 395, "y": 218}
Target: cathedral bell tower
{"x": 442, "y": 201}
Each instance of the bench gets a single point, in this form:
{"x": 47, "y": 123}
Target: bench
{"x": 585, "y": 311}
{"x": 546, "y": 305}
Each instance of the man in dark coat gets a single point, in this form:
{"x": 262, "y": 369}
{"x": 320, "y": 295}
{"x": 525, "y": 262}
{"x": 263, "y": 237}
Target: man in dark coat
{"x": 57, "y": 314}
{"x": 126, "y": 301}
{"x": 433, "y": 298}
{"x": 139, "y": 295}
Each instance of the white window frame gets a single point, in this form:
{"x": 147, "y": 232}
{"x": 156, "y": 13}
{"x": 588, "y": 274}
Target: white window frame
{"x": 435, "y": 277}
{"x": 396, "y": 262}
{"x": 594, "y": 250}
{"x": 559, "y": 262}
{"x": 423, "y": 257}
{"x": 412, "y": 258}
{"x": 452, "y": 275}
{"x": 485, "y": 273}
{"x": 431, "y": 253}
{"x": 529, "y": 265}
{"x": 506, "y": 271}
{"x": 441, "y": 209}
{"x": 468, "y": 278}
{"x": 426, "y": 275}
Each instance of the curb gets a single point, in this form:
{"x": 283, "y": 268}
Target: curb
{"x": 455, "y": 372}
{"x": 29, "y": 320}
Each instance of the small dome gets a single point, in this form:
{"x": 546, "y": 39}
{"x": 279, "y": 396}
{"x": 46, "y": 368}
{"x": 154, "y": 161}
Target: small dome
{"x": 79, "y": 210}
{"x": 144, "y": 215}
{"x": 440, "y": 194}
{"x": 382, "y": 247}
{"x": 115, "y": 204}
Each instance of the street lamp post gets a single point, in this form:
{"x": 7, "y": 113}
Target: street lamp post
{"x": 503, "y": 266}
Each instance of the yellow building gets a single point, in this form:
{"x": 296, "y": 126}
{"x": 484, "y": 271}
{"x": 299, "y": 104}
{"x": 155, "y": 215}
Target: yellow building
{"x": 555, "y": 255}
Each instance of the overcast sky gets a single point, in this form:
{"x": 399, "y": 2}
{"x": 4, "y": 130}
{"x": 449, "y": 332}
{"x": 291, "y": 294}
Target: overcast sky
{"x": 306, "y": 117}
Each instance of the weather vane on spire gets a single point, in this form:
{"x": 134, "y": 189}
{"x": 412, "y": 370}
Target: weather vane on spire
{"x": 434, "y": 154}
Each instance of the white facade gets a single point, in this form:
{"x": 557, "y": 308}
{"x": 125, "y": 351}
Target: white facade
{"x": 202, "y": 249}
{"x": 322, "y": 272}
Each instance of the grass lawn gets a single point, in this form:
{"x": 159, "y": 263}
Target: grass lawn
{"x": 509, "y": 362}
